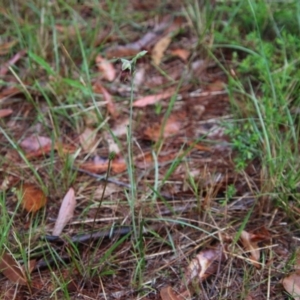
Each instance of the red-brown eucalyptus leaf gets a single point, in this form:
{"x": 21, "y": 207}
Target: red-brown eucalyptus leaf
{"x": 152, "y": 99}
{"x": 118, "y": 165}
{"x": 10, "y": 269}
{"x": 110, "y": 104}
{"x": 181, "y": 53}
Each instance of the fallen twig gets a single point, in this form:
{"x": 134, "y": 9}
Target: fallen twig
{"x": 103, "y": 177}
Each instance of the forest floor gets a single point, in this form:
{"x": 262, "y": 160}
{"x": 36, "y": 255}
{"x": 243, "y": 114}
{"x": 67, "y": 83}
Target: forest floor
{"x": 149, "y": 150}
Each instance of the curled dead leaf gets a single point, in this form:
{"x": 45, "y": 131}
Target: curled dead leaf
{"x": 66, "y": 212}
{"x": 250, "y": 243}
{"x": 205, "y": 264}
{"x": 8, "y": 182}
{"x": 33, "y": 198}
{"x": 159, "y": 49}
{"x": 106, "y": 67}
{"x": 111, "y": 107}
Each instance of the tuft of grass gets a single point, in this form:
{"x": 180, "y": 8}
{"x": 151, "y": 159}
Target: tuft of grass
{"x": 266, "y": 80}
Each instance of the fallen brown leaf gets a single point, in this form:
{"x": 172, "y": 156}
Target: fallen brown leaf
{"x": 146, "y": 160}
{"x": 216, "y": 86}
{"x": 152, "y": 99}
{"x": 159, "y": 49}
{"x": 31, "y": 265}
{"x": 36, "y": 143}
{"x": 200, "y": 147}
{"x": 10, "y": 269}
{"x": 9, "y": 91}
{"x": 117, "y": 166}
{"x": 33, "y": 198}
{"x": 87, "y": 139}
{"x": 163, "y": 130}
{"x": 167, "y": 293}
{"x": 106, "y": 67}
{"x": 4, "y": 69}
{"x": 35, "y": 146}
{"x": 122, "y": 51}
{"x": 5, "y": 112}
{"x": 291, "y": 284}
{"x": 181, "y": 53}
{"x": 250, "y": 243}
{"x": 120, "y": 128}
{"x": 111, "y": 108}
{"x": 99, "y": 167}
{"x": 205, "y": 264}
{"x": 64, "y": 148}
{"x": 106, "y": 190}
{"x": 66, "y": 212}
